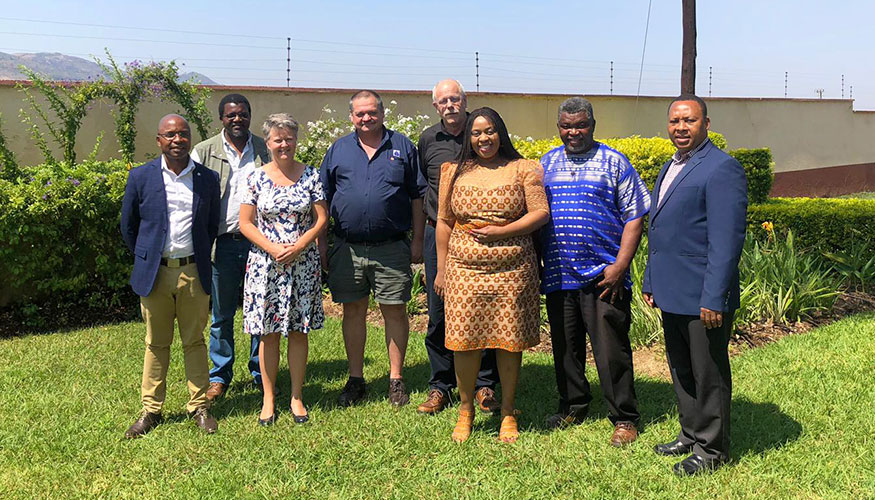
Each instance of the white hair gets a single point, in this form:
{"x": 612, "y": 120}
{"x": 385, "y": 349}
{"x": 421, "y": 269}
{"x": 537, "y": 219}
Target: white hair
{"x": 434, "y": 89}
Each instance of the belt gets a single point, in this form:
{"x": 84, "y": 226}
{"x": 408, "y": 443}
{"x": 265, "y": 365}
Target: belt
{"x": 431, "y": 222}
{"x": 233, "y": 236}
{"x": 177, "y": 262}
{"x": 376, "y": 243}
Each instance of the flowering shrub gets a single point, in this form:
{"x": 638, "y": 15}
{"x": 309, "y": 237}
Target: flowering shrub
{"x": 70, "y": 102}
{"x": 59, "y": 236}
{"x": 319, "y": 135}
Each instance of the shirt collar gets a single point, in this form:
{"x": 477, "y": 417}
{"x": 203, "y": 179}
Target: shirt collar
{"x": 383, "y": 141}
{"x": 443, "y": 129}
{"x": 187, "y": 170}
{"x": 230, "y": 147}
{"x": 677, "y": 157}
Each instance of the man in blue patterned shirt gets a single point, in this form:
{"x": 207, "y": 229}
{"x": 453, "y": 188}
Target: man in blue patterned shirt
{"x": 597, "y": 202}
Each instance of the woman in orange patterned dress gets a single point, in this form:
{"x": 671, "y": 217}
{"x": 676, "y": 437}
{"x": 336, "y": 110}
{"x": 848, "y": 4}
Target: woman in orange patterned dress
{"x": 489, "y": 204}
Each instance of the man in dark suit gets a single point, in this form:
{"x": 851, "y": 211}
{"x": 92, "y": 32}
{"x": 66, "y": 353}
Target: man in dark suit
{"x": 696, "y": 234}
{"x": 169, "y": 220}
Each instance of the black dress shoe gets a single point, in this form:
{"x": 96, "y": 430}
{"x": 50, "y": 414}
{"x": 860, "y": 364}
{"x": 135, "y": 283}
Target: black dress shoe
{"x": 695, "y": 464}
{"x": 144, "y": 424}
{"x": 264, "y": 422}
{"x": 673, "y": 449}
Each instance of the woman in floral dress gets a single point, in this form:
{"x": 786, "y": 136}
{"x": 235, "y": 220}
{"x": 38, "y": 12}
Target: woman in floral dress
{"x": 490, "y": 203}
{"x": 282, "y": 294}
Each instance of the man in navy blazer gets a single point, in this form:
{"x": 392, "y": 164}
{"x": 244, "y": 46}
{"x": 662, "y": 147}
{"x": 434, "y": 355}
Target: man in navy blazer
{"x": 169, "y": 220}
{"x": 696, "y": 233}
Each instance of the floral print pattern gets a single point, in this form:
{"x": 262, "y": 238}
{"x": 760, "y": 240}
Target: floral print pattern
{"x": 283, "y": 298}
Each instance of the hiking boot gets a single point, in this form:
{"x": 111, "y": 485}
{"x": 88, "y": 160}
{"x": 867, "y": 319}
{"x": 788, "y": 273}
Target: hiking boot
{"x": 353, "y": 392}
{"x": 397, "y": 392}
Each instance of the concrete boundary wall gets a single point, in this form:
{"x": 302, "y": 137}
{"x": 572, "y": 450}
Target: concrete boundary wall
{"x": 803, "y": 134}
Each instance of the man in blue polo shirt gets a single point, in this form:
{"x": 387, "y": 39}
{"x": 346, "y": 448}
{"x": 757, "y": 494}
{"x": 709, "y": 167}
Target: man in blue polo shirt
{"x": 597, "y": 201}
{"x": 374, "y": 188}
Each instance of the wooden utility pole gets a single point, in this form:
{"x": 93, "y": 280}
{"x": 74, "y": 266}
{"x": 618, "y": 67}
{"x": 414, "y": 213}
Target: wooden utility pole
{"x": 688, "y": 63}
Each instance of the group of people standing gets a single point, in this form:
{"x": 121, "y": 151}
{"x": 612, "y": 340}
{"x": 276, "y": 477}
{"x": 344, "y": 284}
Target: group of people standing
{"x": 494, "y": 231}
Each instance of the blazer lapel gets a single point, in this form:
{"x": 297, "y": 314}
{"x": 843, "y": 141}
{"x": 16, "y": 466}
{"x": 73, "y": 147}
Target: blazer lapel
{"x": 196, "y": 187}
{"x": 692, "y": 163}
{"x": 156, "y": 179}
{"x": 657, "y": 187}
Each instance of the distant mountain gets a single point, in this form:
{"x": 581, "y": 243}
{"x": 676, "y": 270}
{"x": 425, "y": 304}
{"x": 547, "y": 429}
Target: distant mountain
{"x": 55, "y": 66}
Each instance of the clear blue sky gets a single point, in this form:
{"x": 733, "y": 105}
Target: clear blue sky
{"x": 535, "y": 46}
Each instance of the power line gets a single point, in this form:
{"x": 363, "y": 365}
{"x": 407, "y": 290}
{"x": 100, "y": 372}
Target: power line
{"x": 140, "y": 28}
{"x": 139, "y": 40}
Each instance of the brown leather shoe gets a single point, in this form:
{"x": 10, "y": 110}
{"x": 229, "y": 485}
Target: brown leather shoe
{"x": 216, "y": 390}
{"x": 485, "y": 398}
{"x": 204, "y": 420}
{"x": 143, "y": 425}
{"x": 624, "y": 433}
{"x": 435, "y": 403}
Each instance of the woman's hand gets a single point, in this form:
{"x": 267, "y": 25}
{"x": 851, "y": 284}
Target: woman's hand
{"x": 487, "y": 234}
{"x": 439, "y": 284}
{"x": 284, "y": 253}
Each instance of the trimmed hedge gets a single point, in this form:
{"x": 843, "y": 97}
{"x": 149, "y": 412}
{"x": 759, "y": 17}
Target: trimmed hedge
{"x": 649, "y": 154}
{"x": 758, "y": 166}
{"x": 820, "y": 224}
{"x": 59, "y": 238}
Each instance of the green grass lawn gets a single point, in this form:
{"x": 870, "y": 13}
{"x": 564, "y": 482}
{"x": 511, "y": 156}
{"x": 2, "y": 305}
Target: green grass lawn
{"x": 802, "y": 427}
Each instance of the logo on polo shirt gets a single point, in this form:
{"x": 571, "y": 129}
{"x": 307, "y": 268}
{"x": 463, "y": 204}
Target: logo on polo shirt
{"x": 396, "y": 153}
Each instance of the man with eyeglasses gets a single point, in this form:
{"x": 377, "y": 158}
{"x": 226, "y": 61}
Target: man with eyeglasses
{"x": 438, "y": 144}
{"x": 233, "y": 153}
{"x": 597, "y": 205}
{"x": 169, "y": 220}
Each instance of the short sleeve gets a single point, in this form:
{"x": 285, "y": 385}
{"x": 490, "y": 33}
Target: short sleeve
{"x": 317, "y": 192}
{"x": 445, "y": 192}
{"x": 531, "y": 175}
{"x": 633, "y": 198}
{"x": 253, "y": 188}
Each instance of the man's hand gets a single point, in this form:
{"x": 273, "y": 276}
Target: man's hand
{"x": 323, "y": 259}
{"x": 711, "y": 319}
{"x": 612, "y": 282}
{"x": 487, "y": 234}
{"x": 416, "y": 251}
{"x": 648, "y": 299}
{"x": 439, "y": 284}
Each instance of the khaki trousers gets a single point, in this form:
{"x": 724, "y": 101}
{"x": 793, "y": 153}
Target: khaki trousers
{"x": 178, "y": 295}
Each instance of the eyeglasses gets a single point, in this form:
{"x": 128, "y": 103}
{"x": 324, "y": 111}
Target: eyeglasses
{"x": 450, "y": 99}
{"x": 184, "y": 135}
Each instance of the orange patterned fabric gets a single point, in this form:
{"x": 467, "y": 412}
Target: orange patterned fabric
{"x": 491, "y": 298}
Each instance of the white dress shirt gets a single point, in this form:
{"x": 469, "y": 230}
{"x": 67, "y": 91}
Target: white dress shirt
{"x": 242, "y": 164}
{"x": 179, "y": 189}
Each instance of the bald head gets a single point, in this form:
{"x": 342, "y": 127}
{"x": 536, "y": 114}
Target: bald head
{"x": 448, "y": 85}
{"x": 172, "y": 117}
{"x": 174, "y": 139}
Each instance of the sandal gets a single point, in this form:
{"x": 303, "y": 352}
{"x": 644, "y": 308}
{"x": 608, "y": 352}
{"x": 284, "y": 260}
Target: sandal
{"x": 463, "y": 426}
{"x": 508, "y": 432}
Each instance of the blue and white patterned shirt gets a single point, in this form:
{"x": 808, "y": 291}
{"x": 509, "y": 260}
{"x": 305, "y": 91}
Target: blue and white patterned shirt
{"x": 592, "y": 196}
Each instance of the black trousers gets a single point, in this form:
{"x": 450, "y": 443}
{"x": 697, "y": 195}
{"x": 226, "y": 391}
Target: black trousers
{"x": 443, "y": 374}
{"x": 699, "y": 362}
{"x": 573, "y": 314}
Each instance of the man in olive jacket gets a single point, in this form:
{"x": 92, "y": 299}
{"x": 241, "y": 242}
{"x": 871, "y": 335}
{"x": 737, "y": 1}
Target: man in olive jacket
{"x": 233, "y": 153}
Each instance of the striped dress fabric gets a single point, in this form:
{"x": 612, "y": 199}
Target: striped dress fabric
{"x": 591, "y": 196}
